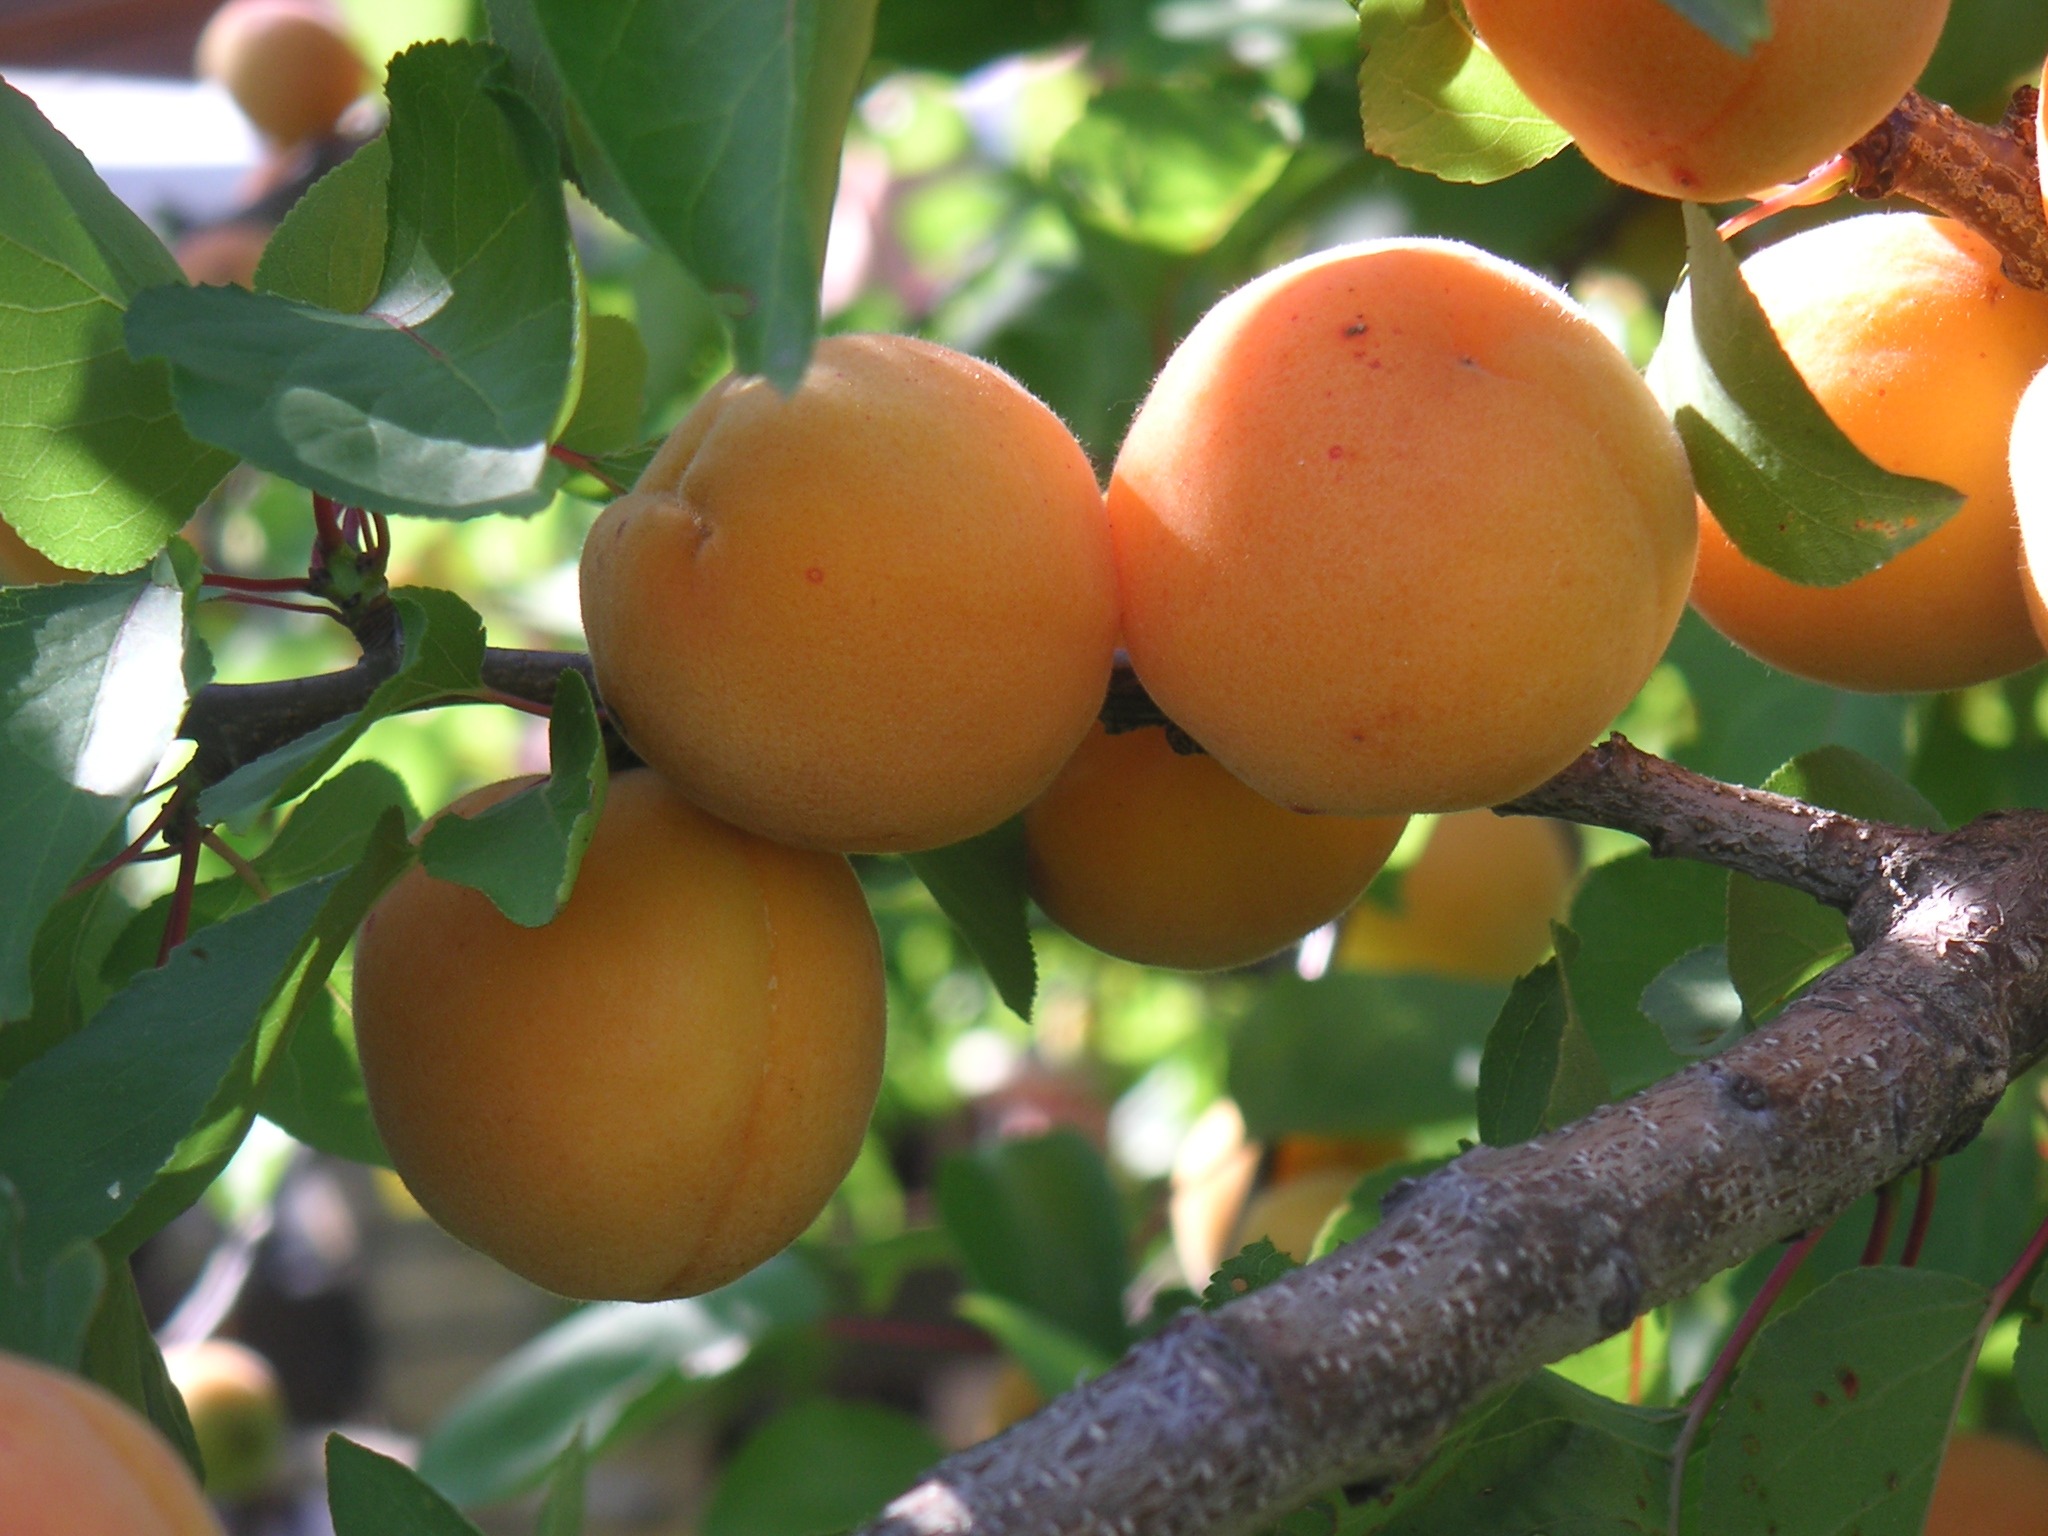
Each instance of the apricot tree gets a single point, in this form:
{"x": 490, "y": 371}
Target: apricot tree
{"x": 1249, "y": 485}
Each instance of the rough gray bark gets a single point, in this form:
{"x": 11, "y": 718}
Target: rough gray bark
{"x": 1350, "y": 1370}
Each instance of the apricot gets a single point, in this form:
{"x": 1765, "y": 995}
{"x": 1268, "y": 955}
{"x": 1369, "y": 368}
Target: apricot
{"x": 237, "y": 1410}
{"x": 223, "y": 253}
{"x": 1478, "y": 901}
{"x": 1918, "y": 347}
{"x": 76, "y": 1461}
{"x": 1658, "y": 104}
{"x": 1398, "y": 529}
{"x": 1990, "y": 1486}
{"x": 1290, "y": 1215}
{"x": 289, "y": 64}
{"x": 875, "y": 615}
{"x": 1166, "y": 859}
{"x": 653, "y": 1093}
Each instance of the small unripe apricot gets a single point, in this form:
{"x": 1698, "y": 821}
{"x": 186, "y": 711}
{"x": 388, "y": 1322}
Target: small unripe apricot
{"x": 1398, "y": 529}
{"x": 289, "y": 64}
{"x": 1918, "y": 347}
{"x": 1478, "y": 901}
{"x": 651, "y": 1094}
{"x": 875, "y": 615}
{"x": 1655, "y": 102}
{"x": 1990, "y": 1486}
{"x": 237, "y": 1411}
{"x": 1166, "y": 859}
{"x": 76, "y": 1461}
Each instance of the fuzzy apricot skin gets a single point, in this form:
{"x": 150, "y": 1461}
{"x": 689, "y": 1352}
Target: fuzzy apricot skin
{"x": 1166, "y": 859}
{"x": 1658, "y": 104}
{"x": 289, "y": 64}
{"x": 1918, "y": 347}
{"x": 75, "y": 1461}
{"x": 1990, "y": 1487}
{"x": 1478, "y": 901}
{"x": 1398, "y": 529}
{"x": 2029, "y": 466}
{"x": 655, "y": 1092}
{"x": 876, "y": 615}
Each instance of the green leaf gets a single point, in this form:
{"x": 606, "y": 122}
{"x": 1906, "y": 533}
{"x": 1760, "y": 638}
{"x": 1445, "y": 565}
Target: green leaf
{"x": 1257, "y": 1265}
{"x": 121, "y": 1356}
{"x": 1051, "y": 1356}
{"x": 854, "y": 1458}
{"x": 1779, "y": 939}
{"x": 1784, "y": 482}
{"x": 1355, "y": 1055}
{"x": 524, "y": 852}
{"x": 330, "y": 828}
{"x": 1171, "y": 166}
{"x": 979, "y": 885}
{"x": 1434, "y": 99}
{"x": 1737, "y": 25}
{"x": 92, "y": 688}
{"x": 1985, "y": 46}
{"x": 372, "y": 1495}
{"x": 440, "y": 398}
{"x": 329, "y": 250}
{"x": 1695, "y": 1003}
{"x": 1540, "y": 1070}
{"x": 315, "y": 1092}
{"x": 1842, "y": 1403}
{"x": 606, "y": 1371}
{"x": 1038, "y": 1223}
{"x": 2030, "y": 1363}
{"x": 716, "y": 132}
{"x": 562, "y": 1514}
{"x": 1967, "y": 769}
{"x": 1634, "y": 916}
{"x": 441, "y": 652}
{"x": 46, "y": 1308}
{"x": 954, "y": 36}
{"x": 1550, "y": 1457}
{"x": 85, "y": 1128}
{"x": 66, "y": 961}
{"x": 96, "y": 471}
{"x": 613, "y": 399}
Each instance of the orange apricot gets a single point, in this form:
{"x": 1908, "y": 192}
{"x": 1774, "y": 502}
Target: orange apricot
{"x": 651, "y": 1094}
{"x": 1918, "y": 347}
{"x": 1655, "y": 102}
{"x": 1291, "y": 1214}
{"x": 1398, "y": 529}
{"x": 1478, "y": 901}
{"x": 237, "y": 1410}
{"x": 1990, "y": 1486}
{"x": 289, "y": 64}
{"x": 222, "y": 253}
{"x": 1166, "y": 859}
{"x": 76, "y": 1461}
{"x": 874, "y": 615}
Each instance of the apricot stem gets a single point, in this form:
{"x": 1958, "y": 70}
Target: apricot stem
{"x": 1923, "y": 1215}
{"x": 1880, "y": 1226}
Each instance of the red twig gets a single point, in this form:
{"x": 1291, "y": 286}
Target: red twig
{"x": 251, "y": 600}
{"x": 327, "y": 534}
{"x": 1635, "y": 1359}
{"x": 1923, "y": 1215}
{"x": 1880, "y": 1227}
{"x": 583, "y": 463}
{"x": 1816, "y": 186}
{"x": 1724, "y": 1363}
{"x": 178, "y": 922}
{"x": 244, "y": 870}
{"x": 513, "y": 701}
{"x": 226, "y": 583}
{"x": 126, "y": 856}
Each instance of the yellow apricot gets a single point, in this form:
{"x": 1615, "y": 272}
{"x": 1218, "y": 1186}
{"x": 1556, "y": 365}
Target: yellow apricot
{"x": 1655, "y": 102}
{"x": 2029, "y": 465}
{"x": 875, "y": 615}
{"x": 1213, "y": 1173}
{"x": 1918, "y": 347}
{"x": 1290, "y": 1215}
{"x": 1166, "y": 859}
{"x": 1478, "y": 901}
{"x": 289, "y": 64}
{"x": 1397, "y": 529}
{"x": 653, "y": 1093}
{"x": 21, "y": 566}
{"x": 75, "y": 1461}
{"x": 1990, "y": 1486}
{"x": 237, "y": 1410}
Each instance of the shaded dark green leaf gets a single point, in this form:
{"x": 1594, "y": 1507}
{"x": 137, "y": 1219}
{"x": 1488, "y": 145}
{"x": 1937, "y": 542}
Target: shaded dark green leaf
{"x": 1539, "y": 1070}
{"x": 1737, "y": 25}
{"x": 1695, "y": 1003}
{"x": 314, "y": 1089}
{"x": 373, "y": 1495}
{"x": 122, "y": 1356}
{"x": 1051, "y": 1356}
{"x": 329, "y": 250}
{"x": 613, "y": 400}
{"x": 854, "y": 1457}
{"x": 979, "y": 885}
{"x": 46, "y": 1308}
{"x": 1257, "y": 1265}
{"x": 562, "y": 1514}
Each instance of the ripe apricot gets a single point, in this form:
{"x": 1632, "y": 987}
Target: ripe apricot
{"x": 1918, "y": 347}
{"x": 1478, "y": 901}
{"x": 76, "y": 1461}
{"x": 1655, "y": 102}
{"x": 237, "y": 1410}
{"x": 289, "y": 64}
{"x": 1166, "y": 859}
{"x": 1990, "y": 1486}
{"x": 656, "y": 1091}
{"x": 1397, "y": 529}
{"x": 877, "y": 614}
{"x": 1290, "y": 1215}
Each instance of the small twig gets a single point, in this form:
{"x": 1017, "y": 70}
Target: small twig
{"x": 251, "y": 600}
{"x": 243, "y": 869}
{"x": 1731, "y": 1353}
{"x": 178, "y": 921}
{"x": 225, "y": 582}
{"x": 1816, "y": 186}
{"x": 1637, "y": 1332}
{"x": 128, "y": 855}
{"x": 584, "y": 464}
{"x": 1923, "y": 1215}
{"x": 1880, "y": 1226}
